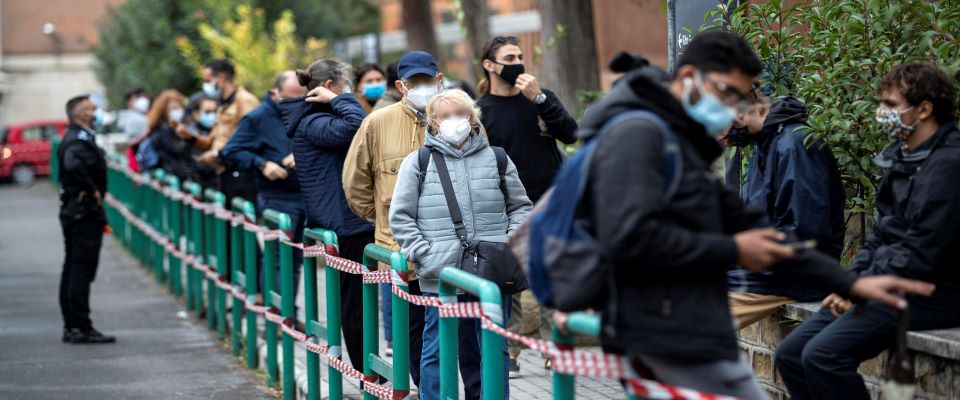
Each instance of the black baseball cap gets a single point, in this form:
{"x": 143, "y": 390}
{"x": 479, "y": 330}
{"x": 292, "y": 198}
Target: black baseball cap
{"x": 417, "y": 63}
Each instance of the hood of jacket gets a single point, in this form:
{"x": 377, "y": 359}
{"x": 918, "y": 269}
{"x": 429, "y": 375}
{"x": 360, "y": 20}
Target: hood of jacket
{"x": 292, "y": 111}
{"x": 785, "y": 111}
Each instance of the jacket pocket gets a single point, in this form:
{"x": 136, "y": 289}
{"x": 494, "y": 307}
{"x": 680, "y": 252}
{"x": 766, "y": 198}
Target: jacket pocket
{"x": 387, "y": 180}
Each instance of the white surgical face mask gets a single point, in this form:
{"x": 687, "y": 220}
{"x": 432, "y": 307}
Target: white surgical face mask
{"x": 419, "y": 96}
{"x": 141, "y": 104}
{"x": 175, "y": 114}
{"x": 455, "y": 130}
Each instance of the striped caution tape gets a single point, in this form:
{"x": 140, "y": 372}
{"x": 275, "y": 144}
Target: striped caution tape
{"x": 565, "y": 361}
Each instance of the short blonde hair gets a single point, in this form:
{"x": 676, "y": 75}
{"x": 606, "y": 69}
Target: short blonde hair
{"x": 458, "y": 98}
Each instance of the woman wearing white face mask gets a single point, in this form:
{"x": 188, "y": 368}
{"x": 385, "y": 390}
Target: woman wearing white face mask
{"x": 173, "y": 153}
{"x": 491, "y": 204}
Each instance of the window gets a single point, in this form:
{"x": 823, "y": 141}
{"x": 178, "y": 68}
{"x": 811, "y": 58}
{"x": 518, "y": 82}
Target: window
{"x": 38, "y": 133}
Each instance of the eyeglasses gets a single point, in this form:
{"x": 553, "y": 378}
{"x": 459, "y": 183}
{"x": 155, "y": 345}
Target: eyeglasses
{"x": 730, "y": 96}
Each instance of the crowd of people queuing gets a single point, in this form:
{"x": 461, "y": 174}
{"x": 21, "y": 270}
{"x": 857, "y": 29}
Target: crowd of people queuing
{"x": 414, "y": 162}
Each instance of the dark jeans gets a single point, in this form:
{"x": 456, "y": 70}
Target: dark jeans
{"x": 292, "y": 205}
{"x": 236, "y": 183}
{"x": 351, "y": 297}
{"x": 82, "y": 237}
{"x": 819, "y": 360}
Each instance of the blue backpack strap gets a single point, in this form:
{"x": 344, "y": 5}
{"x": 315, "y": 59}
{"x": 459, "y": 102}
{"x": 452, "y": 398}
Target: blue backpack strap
{"x": 671, "y": 148}
{"x": 423, "y": 158}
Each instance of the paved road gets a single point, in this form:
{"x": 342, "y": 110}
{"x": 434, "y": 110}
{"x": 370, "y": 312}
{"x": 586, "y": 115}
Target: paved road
{"x": 158, "y": 355}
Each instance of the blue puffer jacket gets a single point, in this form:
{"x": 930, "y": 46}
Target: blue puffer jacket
{"x": 321, "y": 135}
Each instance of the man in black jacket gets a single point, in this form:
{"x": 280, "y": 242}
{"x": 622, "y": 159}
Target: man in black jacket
{"x": 526, "y": 121}
{"x": 798, "y": 186}
{"x": 83, "y": 182}
{"x": 916, "y": 235}
{"x": 668, "y": 305}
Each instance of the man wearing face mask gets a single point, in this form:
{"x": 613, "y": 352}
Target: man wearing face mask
{"x": 916, "y": 236}
{"x": 260, "y": 145}
{"x": 133, "y": 120}
{"x": 526, "y": 121}
{"x": 798, "y": 186}
{"x": 384, "y": 139}
{"x": 670, "y": 230}
{"x": 83, "y": 182}
{"x": 234, "y": 103}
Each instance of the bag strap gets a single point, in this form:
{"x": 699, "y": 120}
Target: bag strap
{"x": 423, "y": 157}
{"x": 502, "y": 158}
{"x": 451, "y": 197}
{"x": 671, "y": 148}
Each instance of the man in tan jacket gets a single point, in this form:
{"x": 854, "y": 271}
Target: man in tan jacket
{"x": 234, "y": 102}
{"x": 384, "y": 139}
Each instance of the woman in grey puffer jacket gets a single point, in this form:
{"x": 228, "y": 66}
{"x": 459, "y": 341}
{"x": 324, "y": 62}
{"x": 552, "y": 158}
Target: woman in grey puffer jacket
{"x": 421, "y": 224}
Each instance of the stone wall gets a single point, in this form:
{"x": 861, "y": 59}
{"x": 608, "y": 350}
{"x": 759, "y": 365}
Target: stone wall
{"x": 936, "y": 356}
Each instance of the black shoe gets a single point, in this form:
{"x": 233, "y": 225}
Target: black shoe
{"x": 68, "y": 334}
{"x": 92, "y": 336}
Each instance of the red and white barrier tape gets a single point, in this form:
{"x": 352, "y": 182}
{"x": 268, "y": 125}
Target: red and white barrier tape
{"x": 574, "y": 362}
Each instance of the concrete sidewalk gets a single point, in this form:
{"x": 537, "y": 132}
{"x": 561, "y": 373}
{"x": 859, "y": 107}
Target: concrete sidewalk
{"x": 158, "y": 354}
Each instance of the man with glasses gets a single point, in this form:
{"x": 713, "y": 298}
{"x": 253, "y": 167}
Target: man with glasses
{"x": 526, "y": 121}
{"x": 668, "y": 250}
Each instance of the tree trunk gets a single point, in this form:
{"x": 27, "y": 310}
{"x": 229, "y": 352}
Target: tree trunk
{"x": 418, "y": 22}
{"x": 476, "y": 17}
{"x": 571, "y": 65}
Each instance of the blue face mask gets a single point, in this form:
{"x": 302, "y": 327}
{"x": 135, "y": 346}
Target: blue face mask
{"x": 373, "y": 91}
{"x": 207, "y": 119}
{"x": 710, "y": 111}
{"x": 97, "y": 121}
{"x": 210, "y": 90}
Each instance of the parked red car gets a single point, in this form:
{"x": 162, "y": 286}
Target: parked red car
{"x": 26, "y": 150}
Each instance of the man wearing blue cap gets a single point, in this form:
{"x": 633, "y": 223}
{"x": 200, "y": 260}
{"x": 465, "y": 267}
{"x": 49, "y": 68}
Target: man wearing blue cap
{"x": 384, "y": 139}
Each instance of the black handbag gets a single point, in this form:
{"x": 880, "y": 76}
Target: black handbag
{"x": 489, "y": 260}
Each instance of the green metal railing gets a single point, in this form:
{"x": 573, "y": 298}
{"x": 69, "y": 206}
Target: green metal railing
{"x": 491, "y": 344}
{"x": 198, "y": 228}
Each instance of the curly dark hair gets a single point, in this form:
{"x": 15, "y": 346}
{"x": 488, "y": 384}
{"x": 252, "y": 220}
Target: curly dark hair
{"x": 923, "y": 81}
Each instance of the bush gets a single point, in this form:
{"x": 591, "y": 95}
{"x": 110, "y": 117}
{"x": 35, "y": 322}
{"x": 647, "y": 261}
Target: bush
{"x": 831, "y": 54}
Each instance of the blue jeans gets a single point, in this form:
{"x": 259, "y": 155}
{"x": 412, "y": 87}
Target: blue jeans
{"x": 386, "y": 296}
{"x": 470, "y": 361}
{"x": 293, "y": 207}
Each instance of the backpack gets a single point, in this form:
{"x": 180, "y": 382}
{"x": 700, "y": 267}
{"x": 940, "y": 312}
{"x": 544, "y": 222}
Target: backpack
{"x": 501, "y": 154}
{"x": 147, "y": 156}
{"x": 564, "y": 262}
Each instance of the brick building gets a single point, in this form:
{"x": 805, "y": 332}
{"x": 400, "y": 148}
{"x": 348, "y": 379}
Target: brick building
{"x": 45, "y": 55}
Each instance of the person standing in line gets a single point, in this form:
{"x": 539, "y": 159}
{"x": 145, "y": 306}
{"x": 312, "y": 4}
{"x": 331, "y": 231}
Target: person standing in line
{"x": 526, "y": 121}
{"x": 384, "y": 139}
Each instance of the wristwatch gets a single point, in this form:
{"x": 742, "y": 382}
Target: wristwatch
{"x": 540, "y": 99}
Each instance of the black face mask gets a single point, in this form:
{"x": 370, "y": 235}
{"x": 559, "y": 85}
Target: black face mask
{"x": 740, "y": 137}
{"x": 511, "y": 72}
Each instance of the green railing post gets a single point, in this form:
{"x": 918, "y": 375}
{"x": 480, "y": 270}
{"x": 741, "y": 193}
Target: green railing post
{"x": 156, "y": 220}
{"x": 215, "y": 258}
{"x": 282, "y": 222}
{"x": 332, "y": 331}
{"x": 491, "y": 344}
{"x": 55, "y": 161}
{"x": 371, "y": 329}
{"x": 238, "y": 259}
{"x": 175, "y": 233}
{"x": 449, "y": 387}
{"x": 250, "y": 263}
{"x": 195, "y": 247}
{"x": 401, "y": 325}
{"x": 400, "y": 368}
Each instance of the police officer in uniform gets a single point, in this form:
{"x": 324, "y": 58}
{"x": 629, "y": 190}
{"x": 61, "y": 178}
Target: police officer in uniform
{"x": 83, "y": 182}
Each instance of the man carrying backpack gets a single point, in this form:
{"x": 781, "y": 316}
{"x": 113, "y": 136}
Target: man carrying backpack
{"x": 668, "y": 230}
